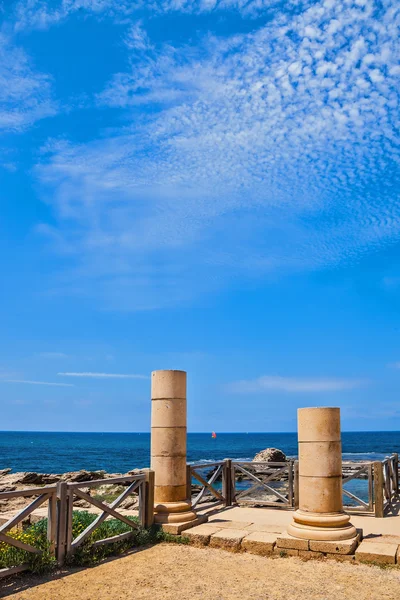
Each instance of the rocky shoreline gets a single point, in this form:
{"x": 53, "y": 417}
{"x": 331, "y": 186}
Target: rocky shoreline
{"x": 10, "y": 482}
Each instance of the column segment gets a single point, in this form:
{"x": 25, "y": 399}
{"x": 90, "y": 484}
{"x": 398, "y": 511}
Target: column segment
{"x": 168, "y": 447}
{"x": 320, "y": 515}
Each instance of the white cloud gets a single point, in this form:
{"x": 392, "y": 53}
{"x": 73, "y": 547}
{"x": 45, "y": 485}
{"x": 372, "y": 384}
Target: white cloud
{"x": 27, "y": 381}
{"x": 105, "y": 375}
{"x": 40, "y": 14}
{"x": 274, "y": 150}
{"x": 25, "y": 95}
{"x": 52, "y": 355}
{"x": 269, "y": 383}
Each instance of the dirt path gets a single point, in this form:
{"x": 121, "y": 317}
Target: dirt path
{"x": 169, "y": 571}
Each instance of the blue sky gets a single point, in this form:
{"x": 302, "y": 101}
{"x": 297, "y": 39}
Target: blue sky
{"x": 202, "y": 185}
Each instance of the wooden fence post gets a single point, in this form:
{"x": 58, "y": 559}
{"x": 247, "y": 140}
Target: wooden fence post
{"x": 296, "y": 484}
{"x": 68, "y": 524}
{"x": 61, "y": 521}
{"x": 188, "y": 483}
{"x": 149, "y": 499}
{"x": 378, "y": 489}
{"x": 52, "y": 522}
{"x": 396, "y": 472}
{"x": 227, "y": 482}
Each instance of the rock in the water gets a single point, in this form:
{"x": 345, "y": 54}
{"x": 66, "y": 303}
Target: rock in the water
{"x": 270, "y": 455}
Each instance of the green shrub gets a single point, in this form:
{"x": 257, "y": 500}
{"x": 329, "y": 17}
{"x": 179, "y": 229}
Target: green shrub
{"x": 34, "y": 535}
{"x": 86, "y": 554}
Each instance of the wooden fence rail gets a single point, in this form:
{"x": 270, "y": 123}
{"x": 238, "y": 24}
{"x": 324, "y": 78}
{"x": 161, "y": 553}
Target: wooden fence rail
{"x": 60, "y": 500}
{"x": 368, "y": 487}
{"x": 274, "y": 479}
{"x": 41, "y": 495}
{"x": 213, "y": 481}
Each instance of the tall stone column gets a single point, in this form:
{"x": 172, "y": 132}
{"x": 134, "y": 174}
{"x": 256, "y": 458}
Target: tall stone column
{"x": 320, "y": 515}
{"x": 168, "y": 447}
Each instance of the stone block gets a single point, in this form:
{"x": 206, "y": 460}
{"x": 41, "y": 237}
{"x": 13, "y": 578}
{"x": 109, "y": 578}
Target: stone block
{"x": 329, "y": 463}
{"x": 283, "y": 552}
{"x": 309, "y": 554}
{"x": 201, "y": 533}
{"x": 178, "y": 528}
{"x": 229, "y": 539}
{"x": 379, "y": 553}
{"x": 342, "y": 557}
{"x": 259, "y": 542}
{"x": 168, "y": 413}
{"x": 169, "y": 470}
{"x": 341, "y": 547}
{"x": 287, "y": 541}
{"x": 320, "y": 494}
{"x": 319, "y": 424}
{"x": 168, "y": 384}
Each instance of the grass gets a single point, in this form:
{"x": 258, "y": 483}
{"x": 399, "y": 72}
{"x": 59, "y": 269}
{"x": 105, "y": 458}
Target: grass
{"x": 86, "y": 554}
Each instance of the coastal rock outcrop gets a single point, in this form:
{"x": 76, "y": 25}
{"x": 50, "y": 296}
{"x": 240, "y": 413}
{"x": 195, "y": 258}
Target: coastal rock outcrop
{"x": 270, "y": 455}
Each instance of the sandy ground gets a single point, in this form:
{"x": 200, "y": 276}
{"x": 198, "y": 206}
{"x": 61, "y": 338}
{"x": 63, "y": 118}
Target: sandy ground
{"x": 169, "y": 571}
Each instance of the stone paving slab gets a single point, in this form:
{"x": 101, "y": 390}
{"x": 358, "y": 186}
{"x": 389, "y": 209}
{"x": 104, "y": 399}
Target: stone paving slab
{"x": 201, "y": 533}
{"x": 266, "y": 528}
{"x": 382, "y": 539}
{"x": 178, "y": 528}
{"x": 379, "y": 553}
{"x": 229, "y": 539}
{"x": 259, "y": 542}
{"x": 225, "y": 524}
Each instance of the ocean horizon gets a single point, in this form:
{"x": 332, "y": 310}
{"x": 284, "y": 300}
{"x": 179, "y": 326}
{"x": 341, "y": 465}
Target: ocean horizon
{"x": 59, "y": 452}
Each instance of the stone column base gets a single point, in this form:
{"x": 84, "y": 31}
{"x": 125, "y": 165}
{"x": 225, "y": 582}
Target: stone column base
{"x": 173, "y": 512}
{"x": 321, "y": 527}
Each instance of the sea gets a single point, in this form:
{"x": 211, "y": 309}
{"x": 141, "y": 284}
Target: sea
{"x": 57, "y": 452}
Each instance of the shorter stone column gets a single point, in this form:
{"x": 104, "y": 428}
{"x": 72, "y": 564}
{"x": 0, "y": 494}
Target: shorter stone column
{"x": 320, "y": 515}
{"x": 168, "y": 447}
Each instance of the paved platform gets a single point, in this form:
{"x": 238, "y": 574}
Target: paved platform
{"x": 277, "y": 518}
{"x": 262, "y": 531}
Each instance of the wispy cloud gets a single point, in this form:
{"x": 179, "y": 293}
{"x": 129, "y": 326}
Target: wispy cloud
{"x": 40, "y": 14}
{"x": 30, "y": 382}
{"x": 270, "y": 383}
{"x": 25, "y": 95}
{"x": 105, "y": 375}
{"x": 265, "y": 151}
{"x": 52, "y": 355}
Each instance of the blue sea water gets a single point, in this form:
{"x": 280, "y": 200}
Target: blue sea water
{"x": 49, "y": 452}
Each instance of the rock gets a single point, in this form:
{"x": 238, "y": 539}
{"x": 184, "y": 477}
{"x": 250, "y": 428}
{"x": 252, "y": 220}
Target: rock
{"x": 270, "y": 455}
{"x": 83, "y": 476}
{"x": 4, "y": 472}
{"x": 32, "y": 478}
{"x": 7, "y": 488}
{"x": 82, "y": 503}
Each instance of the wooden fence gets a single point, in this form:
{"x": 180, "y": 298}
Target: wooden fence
{"x": 368, "y": 487}
{"x": 274, "y": 479}
{"x": 41, "y": 495}
{"x": 386, "y": 476}
{"x": 60, "y": 500}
